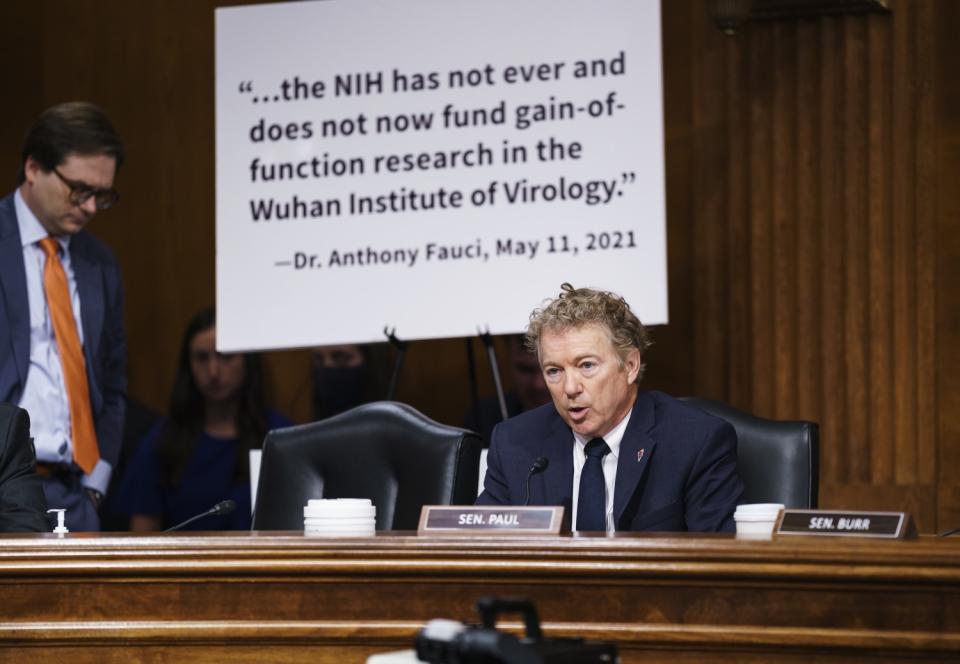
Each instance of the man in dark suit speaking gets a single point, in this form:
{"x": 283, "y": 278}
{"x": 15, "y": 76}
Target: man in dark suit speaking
{"x": 617, "y": 458}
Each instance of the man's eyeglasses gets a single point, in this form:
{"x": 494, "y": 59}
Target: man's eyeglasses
{"x": 80, "y": 193}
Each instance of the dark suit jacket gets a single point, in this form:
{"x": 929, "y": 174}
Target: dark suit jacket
{"x": 22, "y": 505}
{"x": 101, "y": 310}
{"x": 677, "y": 467}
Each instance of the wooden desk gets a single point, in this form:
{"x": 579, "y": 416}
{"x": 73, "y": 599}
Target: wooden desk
{"x": 283, "y": 597}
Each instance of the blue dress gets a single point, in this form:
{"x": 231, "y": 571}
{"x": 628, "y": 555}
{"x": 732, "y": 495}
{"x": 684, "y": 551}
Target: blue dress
{"x": 207, "y": 479}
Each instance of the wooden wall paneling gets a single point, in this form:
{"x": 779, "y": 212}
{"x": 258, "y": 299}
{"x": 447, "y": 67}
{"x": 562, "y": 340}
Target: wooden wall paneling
{"x": 917, "y": 500}
{"x": 72, "y": 68}
{"x": 840, "y": 195}
{"x": 170, "y": 114}
{"x": 670, "y": 364}
{"x": 439, "y": 393}
{"x": 809, "y": 345}
{"x": 926, "y": 203}
{"x": 161, "y": 209}
{"x": 289, "y": 381}
{"x": 760, "y": 83}
{"x": 855, "y": 277}
{"x": 709, "y": 220}
{"x": 833, "y": 430}
{"x": 784, "y": 227}
{"x": 904, "y": 256}
{"x": 948, "y": 266}
{"x": 21, "y": 43}
{"x": 740, "y": 379}
{"x": 880, "y": 318}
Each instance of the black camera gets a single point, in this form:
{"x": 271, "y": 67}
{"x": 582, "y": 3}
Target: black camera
{"x": 450, "y": 642}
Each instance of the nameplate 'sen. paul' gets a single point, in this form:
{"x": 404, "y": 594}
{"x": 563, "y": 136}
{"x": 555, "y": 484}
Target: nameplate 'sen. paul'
{"x": 472, "y": 519}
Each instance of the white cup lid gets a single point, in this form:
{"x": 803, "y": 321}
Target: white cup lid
{"x": 340, "y": 507}
{"x": 752, "y": 508}
{"x": 339, "y": 501}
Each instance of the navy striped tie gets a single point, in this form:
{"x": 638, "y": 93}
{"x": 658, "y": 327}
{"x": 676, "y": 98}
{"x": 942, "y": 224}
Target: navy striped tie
{"x": 592, "y": 501}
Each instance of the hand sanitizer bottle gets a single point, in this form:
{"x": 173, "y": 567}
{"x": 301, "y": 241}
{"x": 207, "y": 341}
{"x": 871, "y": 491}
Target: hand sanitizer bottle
{"x": 61, "y": 528}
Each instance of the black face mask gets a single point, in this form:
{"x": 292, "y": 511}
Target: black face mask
{"x": 337, "y": 389}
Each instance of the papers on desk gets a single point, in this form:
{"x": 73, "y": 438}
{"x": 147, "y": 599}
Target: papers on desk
{"x": 254, "y": 477}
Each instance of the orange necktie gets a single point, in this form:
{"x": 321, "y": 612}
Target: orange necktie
{"x": 85, "y": 450}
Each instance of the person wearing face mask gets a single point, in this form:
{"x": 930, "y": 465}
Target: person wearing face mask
{"x": 198, "y": 455}
{"x": 62, "y": 342}
{"x": 619, "y": 458}
{"x": 339, "y": 377}
{"x": 347, "y": 375}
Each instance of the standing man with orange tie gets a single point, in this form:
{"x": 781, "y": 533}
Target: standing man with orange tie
{"x": 62, "y": 344}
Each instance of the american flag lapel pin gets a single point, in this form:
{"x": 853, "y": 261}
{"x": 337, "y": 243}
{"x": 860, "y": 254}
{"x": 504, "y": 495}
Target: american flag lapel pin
{"x": 640, "y": 455}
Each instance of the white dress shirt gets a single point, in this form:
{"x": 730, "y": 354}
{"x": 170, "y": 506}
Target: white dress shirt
{"x": 45, "y": 393}
{"x": 612, "y": 440}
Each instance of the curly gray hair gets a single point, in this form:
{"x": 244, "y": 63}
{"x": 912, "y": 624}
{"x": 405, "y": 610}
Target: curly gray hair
{"x": 575, "y": 307}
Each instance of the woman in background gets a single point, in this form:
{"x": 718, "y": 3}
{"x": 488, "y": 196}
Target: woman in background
{"x": 199, "y": 455}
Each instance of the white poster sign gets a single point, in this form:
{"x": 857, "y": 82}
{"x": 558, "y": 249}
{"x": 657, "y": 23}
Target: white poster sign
{"x": 433, "y": 166}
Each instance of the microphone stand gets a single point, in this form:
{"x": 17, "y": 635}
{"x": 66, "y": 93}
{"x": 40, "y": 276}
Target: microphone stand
{"x": 472, "y": 374}
{"x": 539, "y": 465}
{"x": 187, "y": 522}
{"x": 401, "y": 347}
{"x": 495, "y": 371}
{"x": 223, "y": 507}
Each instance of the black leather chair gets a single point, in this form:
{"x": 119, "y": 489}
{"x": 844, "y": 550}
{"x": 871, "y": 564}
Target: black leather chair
{"x": 385, "y": 451}
{"x": 778, "y": 461}
{"x": 22, "y": 503}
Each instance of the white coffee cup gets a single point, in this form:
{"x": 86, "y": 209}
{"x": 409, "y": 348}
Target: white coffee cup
{"x": 757, "y": 520}
{"x": 340, "y": 517}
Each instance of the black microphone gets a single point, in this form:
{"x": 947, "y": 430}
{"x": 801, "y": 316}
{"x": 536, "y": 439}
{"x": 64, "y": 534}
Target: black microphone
{"x": 223, "y": 507}
{"x": 539, "y": 465}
